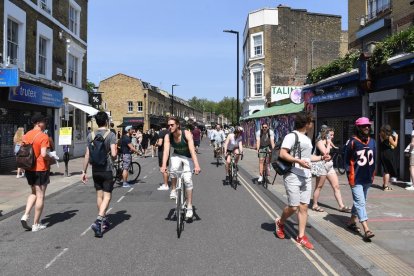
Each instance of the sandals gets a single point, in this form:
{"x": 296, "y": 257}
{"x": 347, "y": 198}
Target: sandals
{"x": 318, "y": 209}
{"x": 345, "y": 209}
{"x": 369, "y": 234}
{"x": 386, "y": 188}
{"x": 353, "y": 228}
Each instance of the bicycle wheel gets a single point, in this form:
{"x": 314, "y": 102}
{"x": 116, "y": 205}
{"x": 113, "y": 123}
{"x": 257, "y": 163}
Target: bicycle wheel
{"x": 265, "y": 180}
{"x": 235, "y": 177}
{"x": 178, "y": 212}
{"x": 340, "y": 164}
{"x": 230, "y": 173}
{"x": 134, "y": 171}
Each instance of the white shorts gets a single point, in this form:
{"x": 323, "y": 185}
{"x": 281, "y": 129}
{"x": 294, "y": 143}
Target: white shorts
{"x": 298, "y": 189}
{"x": 182, "y": 163}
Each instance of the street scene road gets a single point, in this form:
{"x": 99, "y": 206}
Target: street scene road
{"x": 231, "y": 233}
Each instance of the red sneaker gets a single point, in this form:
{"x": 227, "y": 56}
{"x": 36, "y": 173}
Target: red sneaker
{"x": 280, "y": 229}
{"x": 305, "y": 242}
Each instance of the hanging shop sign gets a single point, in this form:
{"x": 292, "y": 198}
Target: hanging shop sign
{"x": 33, "y": 94}
{"x": 279, "y": 93}
{"x": 9, "y": 77}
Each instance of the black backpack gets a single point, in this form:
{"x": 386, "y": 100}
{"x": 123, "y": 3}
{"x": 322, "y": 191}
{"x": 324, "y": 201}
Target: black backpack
{"x": 25, "y": 156}
{"x": 98, "y": 154}
{"x": 280, "y": 165}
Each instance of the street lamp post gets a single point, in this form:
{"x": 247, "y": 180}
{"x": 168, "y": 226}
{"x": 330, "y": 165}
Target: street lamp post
{"x": 172, "y": 99}
{"x": 238, "y": 101}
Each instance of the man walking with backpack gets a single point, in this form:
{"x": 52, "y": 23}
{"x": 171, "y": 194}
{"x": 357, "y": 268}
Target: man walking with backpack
{"x": 37, "y": 172}
{"x": 297, "y": 149}
{"x": 100, "y": 153}
{"x": 265, "y": 142}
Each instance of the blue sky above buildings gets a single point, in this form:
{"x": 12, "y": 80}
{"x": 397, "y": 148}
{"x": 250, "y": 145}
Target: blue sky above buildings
{"x": 178, "y": 41}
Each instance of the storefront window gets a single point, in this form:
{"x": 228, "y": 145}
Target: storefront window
{"x": 80, "y": 126}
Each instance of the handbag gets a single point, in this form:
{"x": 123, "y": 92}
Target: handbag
{"x": 280, "y": 165}
{"x": 317, "y": 168}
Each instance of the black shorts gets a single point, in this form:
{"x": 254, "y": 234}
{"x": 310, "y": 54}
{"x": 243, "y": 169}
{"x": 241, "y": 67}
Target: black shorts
{"x": 37, "y": 178}
{"x": 160, "y": 154}
{"x": 103, "y": 181}
{"x": 196, "y": 143}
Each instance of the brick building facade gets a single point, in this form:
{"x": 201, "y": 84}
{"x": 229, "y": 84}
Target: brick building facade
{"x": 132, "y": 101}
{"x": 281, "y": 45}
{"x": 44, "y": 41}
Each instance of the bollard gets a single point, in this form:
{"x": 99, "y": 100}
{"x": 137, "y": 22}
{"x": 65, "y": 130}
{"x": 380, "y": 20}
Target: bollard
{"x": 66, "y": 159}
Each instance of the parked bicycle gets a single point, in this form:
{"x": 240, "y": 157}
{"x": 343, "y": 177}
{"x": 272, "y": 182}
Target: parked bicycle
{"x": 338, "y": 160}
{"x": 134, "y": 170}
{"x": 181, "y": 205}
{"x": 233, "y": 170}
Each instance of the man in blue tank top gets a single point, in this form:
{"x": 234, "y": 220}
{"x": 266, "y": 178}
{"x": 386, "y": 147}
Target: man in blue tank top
{"x": 183, "y": 158}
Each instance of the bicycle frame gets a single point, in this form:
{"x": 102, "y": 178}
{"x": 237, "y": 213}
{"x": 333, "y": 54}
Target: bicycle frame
{"x": 180, "y": 201}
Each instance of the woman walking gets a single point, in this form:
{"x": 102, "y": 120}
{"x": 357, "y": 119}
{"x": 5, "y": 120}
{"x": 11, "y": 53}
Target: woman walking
{"x": 389, "y": 141}
{"x": 17, "y": 140}
{"x": 323, "y": 147}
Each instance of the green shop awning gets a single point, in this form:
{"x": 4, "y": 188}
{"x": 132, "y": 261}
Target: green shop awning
{"x": 277, "y": 110}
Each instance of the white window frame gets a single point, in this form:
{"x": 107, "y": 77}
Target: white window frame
{"x": 256, "y": 69}
{"x": 46, "y": 33}
{"x": 46, "y": 5}
{"x": 252, "y": 48}
{"x": 78, "y": 9}
{"x": 11, "y": 11}
{"x": 75, "y": 70}
{"x": 78, "y": 52}
{"x": 130, "y": 106}
{"x": 140, "y": 106}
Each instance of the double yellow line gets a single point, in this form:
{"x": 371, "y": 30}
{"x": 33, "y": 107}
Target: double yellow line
{"x": 321, "y": 265}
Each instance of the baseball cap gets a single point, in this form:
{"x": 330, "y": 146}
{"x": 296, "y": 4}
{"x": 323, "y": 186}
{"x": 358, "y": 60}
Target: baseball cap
{"x": 37, "y": 118}
{"x": 362, "y": 121}
{"x": 128, "y": 128}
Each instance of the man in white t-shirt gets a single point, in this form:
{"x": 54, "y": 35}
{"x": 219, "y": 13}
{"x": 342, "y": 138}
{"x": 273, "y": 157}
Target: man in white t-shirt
{"x": 298, "y": 182}
{"x": 411, "y": 168}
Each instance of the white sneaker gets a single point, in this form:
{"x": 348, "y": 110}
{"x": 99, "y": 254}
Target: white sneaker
{"x": 23, "y": 221}
{"x": 38, "y": 227}
{"x": 173, "y": 194}
{"x": 409, "y": 188}
{"x": 189, "y": 214}
{"x": 126, "y": 185}
{"x": 393, "y": 179}
{"x": 163, "y": 188}
{"x": 260, "y": 179}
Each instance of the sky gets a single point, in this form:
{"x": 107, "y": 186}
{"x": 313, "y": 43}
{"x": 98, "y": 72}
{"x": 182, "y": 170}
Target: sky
{"x": 167, "y": 42}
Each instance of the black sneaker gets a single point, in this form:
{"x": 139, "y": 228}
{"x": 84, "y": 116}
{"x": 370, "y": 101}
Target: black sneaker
{"x": 97, "y": 228}
{"x": 106, "y": 224}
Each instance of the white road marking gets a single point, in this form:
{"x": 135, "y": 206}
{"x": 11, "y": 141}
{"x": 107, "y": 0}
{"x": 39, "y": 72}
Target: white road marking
{"x": 145, "y": 176}
{"x": 130, "y": 190}
{"x": 89, "y": 228}
{"x": 121, "y": 198}
{"x": 55, "y": 258}
{"x": 273, "y": 214}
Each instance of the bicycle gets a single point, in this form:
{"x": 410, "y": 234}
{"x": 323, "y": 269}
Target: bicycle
{"x": 266, "y": 169}
{"x": 218, "y": 151}
{"x": 233, "y": 170}
{"x": 338, "y": 160}
{"x": 134, "y": 170}
{"x": 181, "y": 207}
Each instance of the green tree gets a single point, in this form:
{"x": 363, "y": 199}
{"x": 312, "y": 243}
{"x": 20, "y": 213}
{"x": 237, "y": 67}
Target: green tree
{"x": 90, "y": 86}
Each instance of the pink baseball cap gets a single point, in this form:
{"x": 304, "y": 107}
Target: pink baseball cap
{"x": 362, "y": 121}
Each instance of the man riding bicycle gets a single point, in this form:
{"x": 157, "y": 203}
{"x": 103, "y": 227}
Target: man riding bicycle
{"x": 184, "y": 156}
{"x": 218, "y": 137}
{"x": 265, "y": 142}
{"x": 233, "y": 144}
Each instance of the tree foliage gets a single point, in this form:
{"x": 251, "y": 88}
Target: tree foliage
{"x": 227, "y": 106}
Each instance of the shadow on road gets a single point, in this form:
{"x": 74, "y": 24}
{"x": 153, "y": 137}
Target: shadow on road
{"x": 52, "y": 219}
{"x": 270, "y": 227}
{"x": 117, "y": 218}
{"x": 172, "y": 216}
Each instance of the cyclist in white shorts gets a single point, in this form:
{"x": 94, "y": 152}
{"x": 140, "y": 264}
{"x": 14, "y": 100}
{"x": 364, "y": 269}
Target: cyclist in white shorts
{"x": 184, "y": 157}
{"x": 233, "y": 143}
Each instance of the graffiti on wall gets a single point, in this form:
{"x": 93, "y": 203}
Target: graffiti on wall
{"x": 281, "y": 125}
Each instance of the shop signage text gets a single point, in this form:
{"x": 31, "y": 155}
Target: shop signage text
{"x": 9, "y": 77}
{"x": 342, "y": 94}
{"x": 133, "y": 120}
{"x": 33, "y": 94}
{"x": 279, "y": 93}
{"x": 65, "y": 136}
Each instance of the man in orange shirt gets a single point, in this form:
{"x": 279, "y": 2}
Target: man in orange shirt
{"x": 38, "y": 176}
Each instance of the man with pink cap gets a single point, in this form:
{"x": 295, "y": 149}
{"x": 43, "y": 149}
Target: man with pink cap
{"x": 360, "y": 168}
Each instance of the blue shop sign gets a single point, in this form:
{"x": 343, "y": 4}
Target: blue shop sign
{"x": 33, "y": 94}
{"x": 342, "y": 94}
{"x": 9, "y": 77}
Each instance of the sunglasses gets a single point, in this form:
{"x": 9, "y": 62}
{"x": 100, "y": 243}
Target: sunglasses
{"x": 265, "y": 127}
{"x": 365, "y": 126}
{"x": 171, "y": 125}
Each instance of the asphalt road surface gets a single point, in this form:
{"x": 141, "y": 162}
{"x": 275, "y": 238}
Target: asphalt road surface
{"x": 232, "y": 233}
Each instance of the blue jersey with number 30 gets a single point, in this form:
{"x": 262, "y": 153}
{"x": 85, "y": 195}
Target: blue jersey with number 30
{"x": 360, "y": 161}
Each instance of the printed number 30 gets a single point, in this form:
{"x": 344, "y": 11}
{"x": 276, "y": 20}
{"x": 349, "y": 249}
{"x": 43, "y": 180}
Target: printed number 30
{"x": 364, "y": 158}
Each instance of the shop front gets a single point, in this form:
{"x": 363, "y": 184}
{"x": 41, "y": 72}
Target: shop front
{"x": 135, "y": 122}
{"x": 75, "y": 113}
{"x": 17, "y": 106}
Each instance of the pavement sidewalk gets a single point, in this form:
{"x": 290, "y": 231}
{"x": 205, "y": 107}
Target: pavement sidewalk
{"x": 390, "y": 217}
{"x": 14, "y": 191}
